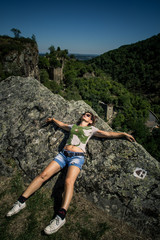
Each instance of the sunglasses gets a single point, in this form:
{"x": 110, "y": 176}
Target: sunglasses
{"x": 87, "y": 114}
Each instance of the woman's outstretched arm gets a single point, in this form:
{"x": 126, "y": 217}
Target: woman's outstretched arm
{"x": 104, "y": 134}
{"x": 59, "y": 123}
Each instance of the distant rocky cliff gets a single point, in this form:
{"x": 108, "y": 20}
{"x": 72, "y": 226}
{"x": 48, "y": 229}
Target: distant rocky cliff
{"x": 107, "y": 176}
{"x": 18, "y": 57}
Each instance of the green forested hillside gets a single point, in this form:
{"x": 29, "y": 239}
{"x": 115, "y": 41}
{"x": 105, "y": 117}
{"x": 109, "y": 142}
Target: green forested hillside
{"x": 136, "y": 66}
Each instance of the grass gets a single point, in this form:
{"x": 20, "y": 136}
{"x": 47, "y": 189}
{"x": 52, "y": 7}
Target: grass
{"x": 84, "y": 220}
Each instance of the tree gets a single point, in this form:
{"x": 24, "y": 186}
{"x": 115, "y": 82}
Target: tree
{"x": 63, "y": 53}
{"x": 33, "y": 37}
{"x": 43, "y": 62}
{"x": 54, "y": 62}
{"x": 16, "y": 32}
{"x": 72, "y": 56}
{"x": 44, "y": 77}
{"x": 51, "y": 49}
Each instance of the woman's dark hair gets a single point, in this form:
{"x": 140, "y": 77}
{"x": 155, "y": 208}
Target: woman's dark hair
{"x": 93, "y": 118}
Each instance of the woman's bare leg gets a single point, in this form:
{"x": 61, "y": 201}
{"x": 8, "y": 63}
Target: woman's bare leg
{"x": 71, "y": 177}
{"x": 59, "y": 220}
{"x": 50, "y": 170}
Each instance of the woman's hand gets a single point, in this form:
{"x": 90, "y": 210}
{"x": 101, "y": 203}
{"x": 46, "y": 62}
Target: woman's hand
{"x": 49, "y": 120}
{"x": 129, "y": 137}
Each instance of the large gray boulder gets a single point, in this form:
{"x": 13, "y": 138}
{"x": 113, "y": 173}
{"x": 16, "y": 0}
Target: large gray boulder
{"x": 107, "y": 176}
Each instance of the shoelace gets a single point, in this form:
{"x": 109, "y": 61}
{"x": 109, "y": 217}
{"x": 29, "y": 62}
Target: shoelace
{"x": 15, "y": 204}
{"x": 57, "y": 221}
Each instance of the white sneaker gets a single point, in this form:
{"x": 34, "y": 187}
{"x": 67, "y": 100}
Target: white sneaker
{"x": 54, "y": 225}
{"x": 17, "y": 207}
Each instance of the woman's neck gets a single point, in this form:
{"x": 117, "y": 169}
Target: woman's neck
{"x": 83, "y": 124}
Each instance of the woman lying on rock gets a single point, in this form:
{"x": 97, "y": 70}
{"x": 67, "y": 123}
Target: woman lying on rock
{"x": 73, "y": 156}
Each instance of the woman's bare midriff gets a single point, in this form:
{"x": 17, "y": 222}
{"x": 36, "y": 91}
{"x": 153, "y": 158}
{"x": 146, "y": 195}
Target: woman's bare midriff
{"x": 73, "y": 148}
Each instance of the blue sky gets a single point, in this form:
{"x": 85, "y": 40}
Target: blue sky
{"x": 82, "y": 26}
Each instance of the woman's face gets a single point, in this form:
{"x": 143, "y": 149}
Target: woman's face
{"x": 87, "y": 117}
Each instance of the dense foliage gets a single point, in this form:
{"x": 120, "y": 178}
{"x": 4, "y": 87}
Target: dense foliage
{"x": 8, "y": 44}
{"x": 137, "y": 67}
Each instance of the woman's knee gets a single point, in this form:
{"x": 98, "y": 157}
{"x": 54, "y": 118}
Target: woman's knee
{"x": 69, "y": 182}
{"x": 43, "y": 176}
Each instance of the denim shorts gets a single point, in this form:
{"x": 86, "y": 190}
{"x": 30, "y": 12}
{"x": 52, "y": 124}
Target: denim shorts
{"x": 63, "y": 160}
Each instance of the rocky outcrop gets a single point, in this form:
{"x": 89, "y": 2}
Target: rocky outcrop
{"x": 107, "y": 176}
{"x": 19, "y": 60}
{"x": 88, "y": 75}
{"x": 56, "y": 74}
